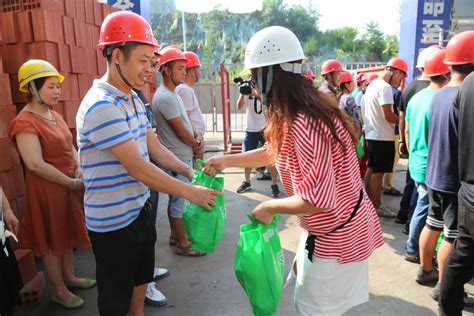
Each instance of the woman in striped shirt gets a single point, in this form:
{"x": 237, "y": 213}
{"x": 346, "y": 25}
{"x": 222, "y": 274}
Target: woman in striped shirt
{"x": 311, "y": 142}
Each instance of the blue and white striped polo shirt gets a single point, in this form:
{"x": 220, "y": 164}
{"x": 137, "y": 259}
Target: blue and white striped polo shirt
{"x": 106, "y": 118}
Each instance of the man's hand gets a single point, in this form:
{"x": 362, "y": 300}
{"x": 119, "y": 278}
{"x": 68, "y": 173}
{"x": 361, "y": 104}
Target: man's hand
{"x": 402, "y": 149}
{"x": 203, "y": 196}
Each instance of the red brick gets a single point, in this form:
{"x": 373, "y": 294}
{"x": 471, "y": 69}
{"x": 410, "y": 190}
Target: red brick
{"x": 80, "y": 10}
{"x": 78, "y": 62}
{"x": 1, "y": 62}
{"x": 91, "y": 61}
{"x": 26, "y": 264}
{"x": 70, "y": 8}
{"x": 80, "y": 31}
{"x": 53, "y": 5}
{"x": 68, "y": 29}
{"x": 98, "y": 16}
{"x": 85, "y": 83}
{"x": 70, "y": 111}
{"x": 17, "y": 95}
{"x": 17, "y": 182}
{"x": 70, "y": 87}
{"x": 64, "y": 58}
{"x": 24, "y": 23}
{"x": 32, "y": 292}
{"x": 1, "y": 32}
{"x": 44, "y": 50}
{"x": 14, "y": 55}
{"x": 5, "y": 160}
{"x": 106, "y": 10}
{"x": 101, "y": 63}
{"x": 10, "y": 6}
{"x": 89, "y": 8}
{"x": 47, "y": 26}
{"x": 10, "y": 27}
{"x": 7, "y": 114}
{"x": 5, "y": 94}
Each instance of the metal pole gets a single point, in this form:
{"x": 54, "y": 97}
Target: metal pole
{"x": 441, "y": 35}
{"x": 184, "y": 25}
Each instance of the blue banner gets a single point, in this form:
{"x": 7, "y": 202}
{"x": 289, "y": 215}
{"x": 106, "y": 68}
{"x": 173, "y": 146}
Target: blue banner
{"x": 138, "y": 6}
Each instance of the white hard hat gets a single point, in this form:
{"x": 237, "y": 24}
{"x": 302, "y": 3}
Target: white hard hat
{"x": 420, "y": 63}
{"x": 272, "y": 46}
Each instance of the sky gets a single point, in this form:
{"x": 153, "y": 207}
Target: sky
{"x": 334, "y": 13}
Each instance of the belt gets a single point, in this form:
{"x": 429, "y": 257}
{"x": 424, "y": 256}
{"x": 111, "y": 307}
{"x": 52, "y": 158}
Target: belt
{"x": 312, "y": 238}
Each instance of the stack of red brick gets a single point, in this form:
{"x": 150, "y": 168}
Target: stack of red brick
{"x": 65, "y": 33}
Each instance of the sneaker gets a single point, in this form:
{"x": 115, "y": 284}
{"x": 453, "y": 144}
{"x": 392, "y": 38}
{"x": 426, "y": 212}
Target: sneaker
{"x": 261, "y": 170}
{"x": 468, "y": 299}
{"x": 434, "y": 293}
{"x": 383, "y": 211}
{"x": 160, "y": 273}
{"x": 425, "y": 278}
{"x": 414, "y": 258}
{"x": 244, "y": 187}
{"x": 153, "y": 296}
{"x": 265, "y": 176}
{"x": 275, "y": 190}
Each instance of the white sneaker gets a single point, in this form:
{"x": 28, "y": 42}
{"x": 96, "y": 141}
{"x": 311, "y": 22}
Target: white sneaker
{"x": 383, "y": 211}
{"x": 160, "y": 273}
{"x": 153, "y": 296}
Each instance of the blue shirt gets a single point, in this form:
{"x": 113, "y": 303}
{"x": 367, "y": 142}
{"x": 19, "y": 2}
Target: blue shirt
{"x": 442, "y": 169}
{"x": 106, "y": 118}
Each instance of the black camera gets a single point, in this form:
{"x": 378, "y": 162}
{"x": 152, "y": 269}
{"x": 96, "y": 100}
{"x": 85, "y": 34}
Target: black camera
{"x": 245, "y": 86}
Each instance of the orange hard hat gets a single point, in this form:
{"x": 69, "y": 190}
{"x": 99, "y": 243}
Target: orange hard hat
{"x": 330, "y": 65}
{"x": 309, "y": 74}
{"x": 170, "y": 53}
{"x": 346, "y": 76}
{"x": 192, "y": 60}
{"x": 125, "y": 26}
{"x": 434, "y": 64}
{"x": 398, "y": 63}
{"x": 370, "y": 77}
{"x": 460, "y": 49}
{"x": 360, "y": 77}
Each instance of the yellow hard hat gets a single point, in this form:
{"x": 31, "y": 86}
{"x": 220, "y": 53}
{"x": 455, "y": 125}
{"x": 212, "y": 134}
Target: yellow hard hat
{"x": 245, "y": 73}
{"x": 34, "y": 69}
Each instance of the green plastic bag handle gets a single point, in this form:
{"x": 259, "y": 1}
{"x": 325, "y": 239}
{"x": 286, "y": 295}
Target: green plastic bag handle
{"x": 275, "y": 219}
{"x": 201, "y": 163}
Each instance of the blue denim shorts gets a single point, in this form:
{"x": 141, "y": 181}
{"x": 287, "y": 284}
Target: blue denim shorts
{"x": 176, "y": 203}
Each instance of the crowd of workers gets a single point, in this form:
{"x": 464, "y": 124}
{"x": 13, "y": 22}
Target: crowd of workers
{"x": 131, "y": 149}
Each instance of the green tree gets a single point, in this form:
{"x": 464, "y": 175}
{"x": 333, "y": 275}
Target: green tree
{"x": 374, "y": 41}
{"x": 391, "y": 47}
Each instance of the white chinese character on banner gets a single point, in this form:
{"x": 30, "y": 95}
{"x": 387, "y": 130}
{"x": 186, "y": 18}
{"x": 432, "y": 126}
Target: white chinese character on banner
{"x": 123, "y": 5}
{"x": 430, "y": 32}
{"x": 433, "y": 8}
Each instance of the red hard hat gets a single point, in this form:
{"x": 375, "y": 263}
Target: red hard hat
{"x": 192, "y": 60}
{"x": 170, "y": 53}
{"x": 370, "y": 77}
{"x": 360, "y": 77}
{"x": 330, "y": 65}
{"x": 346, "y": 76}
{"x": 125, "y": 26}
{"x": 398, "y": 63}
{"x": 460, "y": 49}
{"x": 434, "y": 64}
{"x": 156, "y": 49}
{"x": 309, "y": 74}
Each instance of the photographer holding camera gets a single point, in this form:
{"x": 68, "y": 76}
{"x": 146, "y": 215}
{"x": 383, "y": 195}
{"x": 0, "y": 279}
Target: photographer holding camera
{"x": 256, "y": 121}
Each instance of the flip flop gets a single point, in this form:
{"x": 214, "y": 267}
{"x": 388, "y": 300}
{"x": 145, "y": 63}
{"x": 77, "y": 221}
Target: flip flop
{"x": 392, "y": 191}
{"x": 87, "y": 284}
{"x": 189, "y": 252}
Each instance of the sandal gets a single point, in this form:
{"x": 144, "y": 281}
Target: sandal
{"x": 87, "y": 284}
{"x": 392, "y": 191}
{"x": 189, "y": 252}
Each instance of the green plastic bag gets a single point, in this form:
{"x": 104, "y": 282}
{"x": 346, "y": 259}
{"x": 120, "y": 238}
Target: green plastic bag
{"x": 205, "y": 228}
{"x": 440, "y": 239}
{"x": 259, "y": 265}
{"x": 360, "y": 147}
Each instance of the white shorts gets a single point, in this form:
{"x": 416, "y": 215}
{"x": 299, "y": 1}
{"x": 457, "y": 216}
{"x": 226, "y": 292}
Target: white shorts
{"x": 327, "y": 287}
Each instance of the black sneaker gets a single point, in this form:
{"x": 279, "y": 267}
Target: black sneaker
{"x": 434, "y": 293}
{"x": 244, "y": 187}
{"x": 425, "y": 278}
{"x": 275, "y": 190}
{"x": 265, "y": 176}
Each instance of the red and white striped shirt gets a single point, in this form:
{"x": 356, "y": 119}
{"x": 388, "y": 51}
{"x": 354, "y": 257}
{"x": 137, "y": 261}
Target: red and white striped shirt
{"x": 314, "y": 165}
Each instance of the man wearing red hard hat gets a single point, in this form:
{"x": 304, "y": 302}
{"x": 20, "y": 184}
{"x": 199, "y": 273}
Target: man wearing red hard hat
{"x": 116, "y": 143}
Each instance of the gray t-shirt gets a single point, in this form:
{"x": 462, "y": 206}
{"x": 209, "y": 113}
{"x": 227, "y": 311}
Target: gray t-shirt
{"x": 166, "y": 106}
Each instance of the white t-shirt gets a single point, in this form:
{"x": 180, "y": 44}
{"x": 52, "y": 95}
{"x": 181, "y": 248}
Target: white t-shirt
{"x": 192, "y": 107}
{"x": 255, "y": 121}
{"x": 376, "y": 127}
